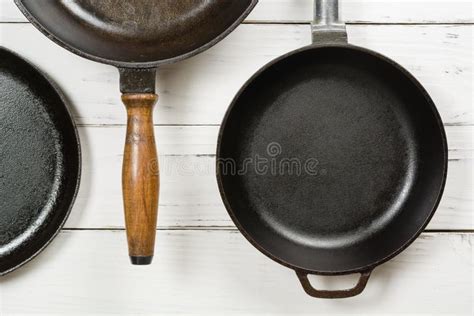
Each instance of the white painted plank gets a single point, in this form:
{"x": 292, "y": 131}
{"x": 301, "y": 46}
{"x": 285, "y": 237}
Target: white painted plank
{"x": 369, "y": 11}
{"x": 189, "y": 194}
{"x": 10, "y": 13}
{"x": 198, "y": 90}
{"x": 460, "y": 142}
{"x": 218, "y": 272}
{"x": 353, "y": 11}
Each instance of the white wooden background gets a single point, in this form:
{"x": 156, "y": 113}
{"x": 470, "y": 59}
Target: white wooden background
{"x": 202, "y": 264}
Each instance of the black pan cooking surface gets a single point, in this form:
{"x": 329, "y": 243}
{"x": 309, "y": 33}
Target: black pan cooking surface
{"x": 352, "y": 159}
{"x": 39, "y": 161}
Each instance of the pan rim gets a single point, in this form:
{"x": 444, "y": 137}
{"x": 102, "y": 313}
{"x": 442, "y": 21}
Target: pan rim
{"x": 123, "y": 64}
{"x": 408, "y": 242}
{"x": 67, "y": 105}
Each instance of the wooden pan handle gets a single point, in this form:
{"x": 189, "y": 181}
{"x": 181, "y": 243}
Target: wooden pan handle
{"x": 140, "y": 177}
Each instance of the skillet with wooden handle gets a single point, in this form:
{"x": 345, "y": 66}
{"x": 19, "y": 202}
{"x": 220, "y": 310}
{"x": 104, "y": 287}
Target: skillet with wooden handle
{"x": 137, "y": 36}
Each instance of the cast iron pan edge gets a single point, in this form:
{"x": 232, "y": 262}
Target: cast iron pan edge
{"x": 154, "y": 64}
{"x": 365, "y": 270}
{"x": 67, "y": 104}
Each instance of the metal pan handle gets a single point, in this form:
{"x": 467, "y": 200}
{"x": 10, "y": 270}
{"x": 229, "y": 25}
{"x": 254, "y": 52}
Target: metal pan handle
{"x": 356, "y": 290}
{"x": 326, "y": 26}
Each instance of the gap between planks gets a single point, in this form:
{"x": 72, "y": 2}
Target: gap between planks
{"x": 105, "y": 125}
{"x": 352, "y": 23}
{"x": 234, "y": 229}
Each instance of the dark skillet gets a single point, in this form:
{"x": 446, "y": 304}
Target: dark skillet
{"x": 137, "y": 36}
{"x": 39, "y": 161}
{"x": 355, "y": 155}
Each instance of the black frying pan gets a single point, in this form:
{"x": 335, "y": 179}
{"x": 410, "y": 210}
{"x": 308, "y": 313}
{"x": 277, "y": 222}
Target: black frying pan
{"x": 331, "y": 159}
{"x": 39, "y": 161}
{"x": 137, "y": 36}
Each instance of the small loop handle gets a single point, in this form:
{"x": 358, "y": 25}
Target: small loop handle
{"x": 356, "y": 290}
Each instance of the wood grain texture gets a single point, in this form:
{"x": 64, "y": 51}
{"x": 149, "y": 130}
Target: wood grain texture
{"x": 140, "y": 175}
{"x": 219, "y": 272}
{"x": 189, "y": 195}
{"x": 199, "y": 90}
{"x": 353, "y": 11}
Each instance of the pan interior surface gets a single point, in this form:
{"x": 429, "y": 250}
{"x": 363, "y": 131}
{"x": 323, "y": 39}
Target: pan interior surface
{"x": 136, "y": 31}
{"x": 39, "y": 162}
{"x": 331, "y": 159}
